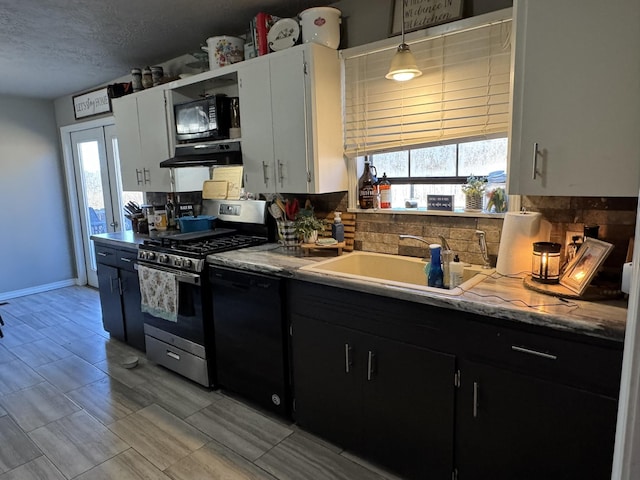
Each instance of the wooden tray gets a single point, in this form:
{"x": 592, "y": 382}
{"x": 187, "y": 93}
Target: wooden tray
{"x": 307, "y": 247}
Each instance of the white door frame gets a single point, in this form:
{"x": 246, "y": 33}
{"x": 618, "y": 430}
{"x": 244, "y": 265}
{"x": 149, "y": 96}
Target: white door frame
{"x": 72, "y": 198}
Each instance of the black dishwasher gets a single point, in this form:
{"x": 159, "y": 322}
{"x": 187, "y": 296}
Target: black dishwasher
{"x": 251, "y": 337}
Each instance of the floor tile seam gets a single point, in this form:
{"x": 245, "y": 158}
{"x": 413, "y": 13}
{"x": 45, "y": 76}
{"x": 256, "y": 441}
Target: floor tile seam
{"x": 42, "y": 455}
{"x": 132, "y": 447}
{"x": 27, "y": 432}
{"x": 240, "y": 454}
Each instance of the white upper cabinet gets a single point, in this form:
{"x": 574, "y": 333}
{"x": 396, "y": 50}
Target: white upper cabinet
{"x": 290, "y": 110}
{"x": 142, "y": 128}
{"x": 254, "y": 84}
{"x": 576, "y": 98}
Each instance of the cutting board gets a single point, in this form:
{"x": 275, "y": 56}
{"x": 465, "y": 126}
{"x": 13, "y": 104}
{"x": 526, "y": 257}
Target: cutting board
{"x": 215, "y": 189}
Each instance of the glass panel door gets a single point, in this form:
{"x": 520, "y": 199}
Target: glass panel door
{"x": 94, "y": 192}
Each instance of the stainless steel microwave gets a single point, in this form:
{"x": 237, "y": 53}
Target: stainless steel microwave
{"x": 205, "y": 119}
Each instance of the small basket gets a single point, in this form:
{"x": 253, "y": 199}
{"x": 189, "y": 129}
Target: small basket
{"x": 473, "y": 202}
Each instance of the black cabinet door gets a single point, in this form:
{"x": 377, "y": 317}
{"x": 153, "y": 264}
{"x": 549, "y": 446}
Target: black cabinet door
{"x": 109, "y": 286}
{"x": 328, "y": 367}
{"x": 133, "y": 317}
{"x": 409, "y": 408}
{"x": 511, "y": 426}
{"x": 386, "y": 400}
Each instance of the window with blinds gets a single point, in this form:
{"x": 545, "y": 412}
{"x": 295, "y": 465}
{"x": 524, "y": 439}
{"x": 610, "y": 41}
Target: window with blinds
{"x": 463, "y": 93}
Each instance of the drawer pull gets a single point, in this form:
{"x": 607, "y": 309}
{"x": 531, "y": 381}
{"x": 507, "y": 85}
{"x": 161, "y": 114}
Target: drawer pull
{"x": 103, "y": 254}
{"x": 548, "y": 356}
{"x": 173, "y": 355}
{"x": 371, "y": 365}
{"x": 347, "y": 358}
{"x": 124, "y": 259}
{"x": 476, "y": 388}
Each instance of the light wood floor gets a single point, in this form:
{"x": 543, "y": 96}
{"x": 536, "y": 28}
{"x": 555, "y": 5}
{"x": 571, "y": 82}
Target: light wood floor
{"x": 69, "y": 410}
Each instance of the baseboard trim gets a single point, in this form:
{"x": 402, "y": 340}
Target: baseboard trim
{"x": 38, "y": 289}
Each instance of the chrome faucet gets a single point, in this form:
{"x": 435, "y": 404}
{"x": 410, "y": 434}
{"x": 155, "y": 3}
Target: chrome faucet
{"x": 415, "y": 237}
{"x": 482, "y": 241}
{"x": 420, "y": 239}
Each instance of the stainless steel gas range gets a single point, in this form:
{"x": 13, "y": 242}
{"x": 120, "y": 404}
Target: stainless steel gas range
{"x": 175, "y": 289}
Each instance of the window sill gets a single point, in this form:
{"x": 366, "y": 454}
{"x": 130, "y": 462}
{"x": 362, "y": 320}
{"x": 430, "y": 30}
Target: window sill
{"x": 424, "y": 211}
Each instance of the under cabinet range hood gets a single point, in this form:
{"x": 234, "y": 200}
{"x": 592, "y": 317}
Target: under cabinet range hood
{"x": 205, "y": 154}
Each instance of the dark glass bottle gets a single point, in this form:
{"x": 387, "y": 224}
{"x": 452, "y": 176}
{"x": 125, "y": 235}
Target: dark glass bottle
{"x": 368, "y": 187}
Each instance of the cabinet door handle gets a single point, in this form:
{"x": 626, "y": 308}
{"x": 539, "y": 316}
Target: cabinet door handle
{"x": 139, "y": 176}
{"x": 476, "y": 388}
{"x": 371, "y": 366}
{"x": 173, "y": 355}
{"x": 265, "y": 170}
{"x": 347, "y": 358}
{"x": 536, "y": 153}
{"x": 111, "y": 279}
{"x": 146, "y": 175}
{"x": 120, "y": 286}
{"x": 280, "y": 174}
{"x": 534, "y": 352}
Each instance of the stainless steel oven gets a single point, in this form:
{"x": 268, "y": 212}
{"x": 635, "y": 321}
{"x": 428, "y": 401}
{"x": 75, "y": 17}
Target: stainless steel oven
{"x": 176, "y": 293}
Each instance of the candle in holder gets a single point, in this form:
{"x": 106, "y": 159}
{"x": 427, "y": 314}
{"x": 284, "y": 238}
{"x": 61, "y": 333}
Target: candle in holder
{"x": 545, "y": 262}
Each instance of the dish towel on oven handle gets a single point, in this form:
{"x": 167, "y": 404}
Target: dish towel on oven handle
{"x": 159, "y": 293}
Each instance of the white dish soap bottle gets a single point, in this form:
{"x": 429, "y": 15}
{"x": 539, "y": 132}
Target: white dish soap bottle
{"x": 456, "y": 269}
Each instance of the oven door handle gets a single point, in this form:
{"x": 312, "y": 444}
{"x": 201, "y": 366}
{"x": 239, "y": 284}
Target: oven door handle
{"x": 184, "y": 277}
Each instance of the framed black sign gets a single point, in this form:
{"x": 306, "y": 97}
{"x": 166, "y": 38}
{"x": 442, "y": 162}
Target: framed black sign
{"x": 421, "y": 14}
{"x": 440, "y": 202}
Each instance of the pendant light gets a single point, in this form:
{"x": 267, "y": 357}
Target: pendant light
{"x": 403, "y": 65}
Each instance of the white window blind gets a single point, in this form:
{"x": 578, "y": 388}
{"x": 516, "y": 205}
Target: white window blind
{"x": 462, "y": 93}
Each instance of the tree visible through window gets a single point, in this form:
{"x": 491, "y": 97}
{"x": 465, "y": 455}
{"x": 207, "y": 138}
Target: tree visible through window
{"x": 439, "y": 170}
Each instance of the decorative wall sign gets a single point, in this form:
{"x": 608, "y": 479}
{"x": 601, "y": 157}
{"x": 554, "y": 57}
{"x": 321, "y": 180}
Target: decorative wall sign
{"x": 440, "y": 202}
{"x": 421, "y": 14}
{"x": 91, "y": 103}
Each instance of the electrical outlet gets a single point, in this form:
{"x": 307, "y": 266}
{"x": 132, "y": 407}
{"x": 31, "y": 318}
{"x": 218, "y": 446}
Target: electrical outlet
{"x": 569, "y": 239}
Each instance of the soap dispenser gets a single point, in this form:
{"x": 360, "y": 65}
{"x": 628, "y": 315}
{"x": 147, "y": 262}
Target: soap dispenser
{"x": 435, "y": 275}
{"x": 337, "y": 228}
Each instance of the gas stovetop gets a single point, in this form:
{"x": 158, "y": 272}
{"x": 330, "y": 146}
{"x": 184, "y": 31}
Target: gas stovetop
{"x": 188, "y": 251}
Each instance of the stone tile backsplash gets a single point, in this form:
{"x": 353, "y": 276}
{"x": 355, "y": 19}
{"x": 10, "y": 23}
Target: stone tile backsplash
{"x": 616, "y": 217}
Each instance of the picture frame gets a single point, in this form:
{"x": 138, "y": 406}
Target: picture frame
{"x": 580, "y": 271}
{"x": 421, "y": 14}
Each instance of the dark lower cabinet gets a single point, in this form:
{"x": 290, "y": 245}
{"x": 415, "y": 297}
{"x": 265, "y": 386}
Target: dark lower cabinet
{"x": 435, "y": 393}
{"x": 386, "y": 400}
{"x": 120, "y": 295}
{"x": 111, "y": 301}
{"x": 510, "y": 425}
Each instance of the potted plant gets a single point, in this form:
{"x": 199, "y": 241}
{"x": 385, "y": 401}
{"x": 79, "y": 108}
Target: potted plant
{"x": 307, "y": 227}
{"x": 473, "y": 191}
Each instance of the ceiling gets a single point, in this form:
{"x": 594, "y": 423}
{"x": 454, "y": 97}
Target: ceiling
{"x": 59, "y": 47}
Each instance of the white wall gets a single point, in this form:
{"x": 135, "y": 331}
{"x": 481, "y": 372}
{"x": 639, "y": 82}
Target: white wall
{"x": 35, "y": 242}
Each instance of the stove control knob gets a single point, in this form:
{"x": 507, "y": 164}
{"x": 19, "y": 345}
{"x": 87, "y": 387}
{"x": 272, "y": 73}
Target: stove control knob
{"x": 177, "y": 262}
{"x": 187, "y": 263}
{"x": 150, "y": 256}
{"x": 163, "y": 258}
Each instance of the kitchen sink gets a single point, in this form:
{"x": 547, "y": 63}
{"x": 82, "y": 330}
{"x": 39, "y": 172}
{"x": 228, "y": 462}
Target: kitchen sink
{"x": 392, "y": 270}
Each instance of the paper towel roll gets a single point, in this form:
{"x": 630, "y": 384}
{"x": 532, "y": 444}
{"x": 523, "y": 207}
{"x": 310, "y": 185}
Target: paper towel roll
{"x": 519, "y": 232}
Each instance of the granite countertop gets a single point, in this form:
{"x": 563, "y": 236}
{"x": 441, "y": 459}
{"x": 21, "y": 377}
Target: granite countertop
{"x": 499, "y": 297}
{"x": 496, "y": 296}
{"x": 120, "y": 239}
